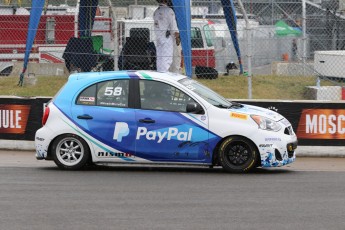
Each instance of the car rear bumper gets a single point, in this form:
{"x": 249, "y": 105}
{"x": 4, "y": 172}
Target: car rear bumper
{"x": 42, "y": 141}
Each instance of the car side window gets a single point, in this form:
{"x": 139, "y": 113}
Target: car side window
{"x": 161, "y": 96}
{"x": 208, "y": 35}
{"x": 196, "y": 38}
{"x": 112, "y": 93}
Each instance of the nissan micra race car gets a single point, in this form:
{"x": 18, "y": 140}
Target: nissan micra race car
{"x": 144, "y": 117}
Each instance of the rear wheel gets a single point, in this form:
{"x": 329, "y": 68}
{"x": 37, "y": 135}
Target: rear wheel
{"x": 70, "y": 152}
{"x": 237, "y": 154}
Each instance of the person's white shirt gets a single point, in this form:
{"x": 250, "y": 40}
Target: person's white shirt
{"x": 164, "y": 20}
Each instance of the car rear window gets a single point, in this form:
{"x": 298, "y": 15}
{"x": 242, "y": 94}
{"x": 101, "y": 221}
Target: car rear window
{"x": 113, "y": 93}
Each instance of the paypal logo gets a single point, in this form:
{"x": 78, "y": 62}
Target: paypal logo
{"x": 169, "y": 134}
{"x": 121, "y": 130}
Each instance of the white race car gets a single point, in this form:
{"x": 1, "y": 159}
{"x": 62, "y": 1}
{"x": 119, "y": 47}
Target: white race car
{"x": 147, "y": 117}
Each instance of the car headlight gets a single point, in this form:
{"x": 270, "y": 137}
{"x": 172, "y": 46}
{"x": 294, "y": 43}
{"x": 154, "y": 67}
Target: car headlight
{"x": 266, "y": 123}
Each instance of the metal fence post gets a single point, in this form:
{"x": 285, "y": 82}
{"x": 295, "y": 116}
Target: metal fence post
{"x": 249, "y": 52}
{"x": 304, "y": 31}
{"x": 114, "y": 33}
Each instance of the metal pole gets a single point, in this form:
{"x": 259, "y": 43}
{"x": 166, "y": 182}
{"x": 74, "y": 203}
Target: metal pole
{"x": 304, "y": 30}
{"x": 115, "y": 35}
{"x": 76, "y": 19}
{"x": 272, "y": 12}
{"x": 249, "y": 45}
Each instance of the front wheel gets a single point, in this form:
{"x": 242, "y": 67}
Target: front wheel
{"x": 237, "y": 154}
{"x": 70, "y": 152}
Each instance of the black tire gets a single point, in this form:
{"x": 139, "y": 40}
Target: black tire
{"x": 70, "y": 152}
{"x": 237, "y": 154}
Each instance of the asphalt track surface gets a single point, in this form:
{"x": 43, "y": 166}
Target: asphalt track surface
{"x": 308, "y": 194}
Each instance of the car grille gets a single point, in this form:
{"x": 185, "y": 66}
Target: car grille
{"x": 288, "y": 130}
{"x": 278, "y": 155}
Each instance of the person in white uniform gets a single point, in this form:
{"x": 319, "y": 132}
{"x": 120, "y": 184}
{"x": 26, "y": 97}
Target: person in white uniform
{"x": 167, "y": 33}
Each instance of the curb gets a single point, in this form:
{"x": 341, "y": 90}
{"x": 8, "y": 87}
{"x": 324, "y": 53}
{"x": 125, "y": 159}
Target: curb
{"x": 17, "y": 145}
{"x": 321, "y": 151}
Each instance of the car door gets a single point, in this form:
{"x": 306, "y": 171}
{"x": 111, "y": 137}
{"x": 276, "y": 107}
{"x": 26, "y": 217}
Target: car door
{"x": 165, "y": 131}
{"x": 102, "y": 111}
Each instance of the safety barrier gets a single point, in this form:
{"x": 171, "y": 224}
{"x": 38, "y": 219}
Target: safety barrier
{"x": 316, "y": 124}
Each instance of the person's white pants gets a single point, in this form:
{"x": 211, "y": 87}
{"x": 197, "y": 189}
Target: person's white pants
{"x": 164, "y": 51}
{"x": 176, "y": 63}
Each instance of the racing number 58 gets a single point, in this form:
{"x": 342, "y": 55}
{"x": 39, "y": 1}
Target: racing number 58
{"x": 116, "y": 91}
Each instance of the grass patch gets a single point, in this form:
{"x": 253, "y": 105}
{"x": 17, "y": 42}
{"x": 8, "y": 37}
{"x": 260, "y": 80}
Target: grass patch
{"x": 263, "y": 87}
{"x": 235, "y": 87}
{"x": 46, "y": 86}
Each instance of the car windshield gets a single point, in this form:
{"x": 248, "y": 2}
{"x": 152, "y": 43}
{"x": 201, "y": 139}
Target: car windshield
{"x": 206, "y": 93}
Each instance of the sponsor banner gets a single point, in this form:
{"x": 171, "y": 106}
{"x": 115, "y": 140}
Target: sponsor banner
{"x": 20, "y": 118}
{"x": 322, "y": 124}
{"x": 14, "y": 118}
{"x": 315, "y": 123}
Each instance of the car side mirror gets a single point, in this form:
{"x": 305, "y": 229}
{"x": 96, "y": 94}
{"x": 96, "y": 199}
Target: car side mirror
{"x": 193, "y": 107}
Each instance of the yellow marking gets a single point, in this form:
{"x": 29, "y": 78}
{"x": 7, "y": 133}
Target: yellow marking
{"x": 239, "y": 116}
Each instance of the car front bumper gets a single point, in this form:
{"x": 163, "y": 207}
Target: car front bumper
{"x": 276, "y": 155}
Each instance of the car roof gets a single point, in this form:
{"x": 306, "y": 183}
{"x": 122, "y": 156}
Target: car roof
{"x": 140, "y": 74}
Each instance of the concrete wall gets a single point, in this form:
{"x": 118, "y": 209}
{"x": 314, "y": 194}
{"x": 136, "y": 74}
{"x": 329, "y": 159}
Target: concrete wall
{"x": 330, "y": 93}
{"x": 41, "y": 69}
{"x": 292, "y": 69}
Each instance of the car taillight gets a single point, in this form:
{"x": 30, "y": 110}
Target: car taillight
{"x": 45, "y": 115}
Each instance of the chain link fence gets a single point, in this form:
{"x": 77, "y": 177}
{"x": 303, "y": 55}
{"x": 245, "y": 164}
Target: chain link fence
{"x": 292, "y": 42}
